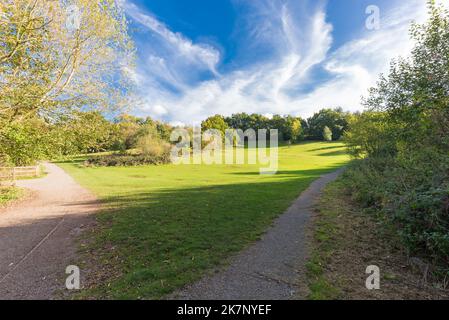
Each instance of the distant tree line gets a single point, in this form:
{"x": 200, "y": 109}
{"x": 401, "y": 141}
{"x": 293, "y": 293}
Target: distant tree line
{"x": 81, "y": 132}
{"x": 325, "y": 125}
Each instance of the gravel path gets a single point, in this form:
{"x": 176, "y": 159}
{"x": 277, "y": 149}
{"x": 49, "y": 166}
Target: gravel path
{"x": 38, "y": 236}
{"x": 268, "y": 270}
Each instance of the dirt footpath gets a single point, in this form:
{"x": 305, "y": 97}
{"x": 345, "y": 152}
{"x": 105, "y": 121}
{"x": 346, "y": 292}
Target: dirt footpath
{"x": 38, "y": 236}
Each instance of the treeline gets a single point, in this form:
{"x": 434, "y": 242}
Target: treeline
{"x": 23, "y": 143}
{"x": 403, "y": 139}
{"x": 78, "y": 133}
{"x": 327, "y": 124}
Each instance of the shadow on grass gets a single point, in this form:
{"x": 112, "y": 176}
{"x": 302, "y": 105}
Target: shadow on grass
{"x": 295, "y": 173}
{"x": 168, "y": 238}
{"x": 328, "y": 148}
{"x": 334, "y": 153}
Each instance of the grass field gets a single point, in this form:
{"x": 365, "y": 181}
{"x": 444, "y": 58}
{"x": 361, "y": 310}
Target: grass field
{"x": 169, "y": 224}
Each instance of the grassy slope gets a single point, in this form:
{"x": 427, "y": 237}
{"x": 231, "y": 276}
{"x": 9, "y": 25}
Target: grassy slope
{"x": 171, "y": 223}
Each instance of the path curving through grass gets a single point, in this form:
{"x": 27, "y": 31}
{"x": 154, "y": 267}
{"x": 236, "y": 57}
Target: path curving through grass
{"x": 169, "y": 225}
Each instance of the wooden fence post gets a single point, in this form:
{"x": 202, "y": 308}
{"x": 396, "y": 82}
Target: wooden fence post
{"x": 13, "y": 174}
{"x": 37, "y": 171}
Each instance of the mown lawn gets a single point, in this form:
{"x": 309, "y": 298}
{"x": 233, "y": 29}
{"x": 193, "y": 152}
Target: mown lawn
{"x": 169, "y": 224}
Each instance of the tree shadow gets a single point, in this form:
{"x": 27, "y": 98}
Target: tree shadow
{"x": 343, "y": 152}
{"x": 168, "y": 238}
{"x": 148, "y": 244}
{"x": 297, "y": 173}
{"x": 327, "y": 148}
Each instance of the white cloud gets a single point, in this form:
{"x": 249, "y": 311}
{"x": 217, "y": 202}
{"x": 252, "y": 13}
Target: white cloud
{"x": 301, "y": 40}
{"x": 201, "y": 55}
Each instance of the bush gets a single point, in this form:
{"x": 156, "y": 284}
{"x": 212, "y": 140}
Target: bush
{"x": 126, "y": 160}
{"x": 153, "y": 147}
{"x": 411, "y": 193}
{"x": 153, "y": 151}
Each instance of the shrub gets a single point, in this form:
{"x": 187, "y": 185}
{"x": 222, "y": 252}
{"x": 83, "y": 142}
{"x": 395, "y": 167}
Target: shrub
{"x": 126, "y": 160}
{"x": 410, "y": 193}
{"x": 153, "y": 147}
{"x": 153, "y": 151}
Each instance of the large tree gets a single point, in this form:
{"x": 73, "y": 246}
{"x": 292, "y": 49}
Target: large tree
{"x": 336, "y": 120}
{"x": 415, "y": 94}
{"x": 56, "y": 58}
{"x": 216, "y": 122}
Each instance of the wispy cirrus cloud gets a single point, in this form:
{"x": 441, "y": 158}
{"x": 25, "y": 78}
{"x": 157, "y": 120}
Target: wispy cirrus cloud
{"x": 175, "y": 45}
{"x": 296, "y": 39}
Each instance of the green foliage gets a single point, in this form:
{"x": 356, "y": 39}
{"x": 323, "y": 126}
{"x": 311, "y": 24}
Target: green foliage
{"x": 327, "y": 134}
{"x": 370, "y": 134}
{"x": 404, "y": 137}
{"x": 22, "y": 144}
{"x": 152, "y": 146}
{"x": 127, "y": 160}
{"x": 412, "y": 194}
{"x": 415, "y": 94}
{"x": 8, "y": 194}
{"x": 216, "y": 122}
{"x": 245, "y": 121}
{"x": 84, "y": 132}
{"x": 336, "y": 120}
{"x": 48, "y": 70}
{"x": 289, "y": 128}
{"x": 50, "y": 75}
{"x": 129, "y": 130}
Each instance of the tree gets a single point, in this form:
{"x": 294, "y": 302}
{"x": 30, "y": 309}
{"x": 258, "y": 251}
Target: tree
{"x": 216, "y": 122}
{"x": 51, "y": 65}
{"x": 370, "y": 134}
{"x": 22, "y": 143}
{"x": 240, "y": 121}
{"x": 48, "y": 66}
{"x": 405, "y": 137}
{"x": 336, "y": 120}
{"x": 130, "y": 129}
{"x": 415, "y": 93}
{"x": 291, "y": 130}
{"x": 327, "y": 134}
{"x": 84, "y": 132}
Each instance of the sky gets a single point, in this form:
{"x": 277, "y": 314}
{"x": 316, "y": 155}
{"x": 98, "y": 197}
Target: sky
{"x": 199, "y": 58}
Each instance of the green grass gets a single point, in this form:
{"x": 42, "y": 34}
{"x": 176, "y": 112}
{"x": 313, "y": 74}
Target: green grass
{"x": 169, "y": 224}
{"x": 326, "y": 233}
{"x": 8, "y": 194}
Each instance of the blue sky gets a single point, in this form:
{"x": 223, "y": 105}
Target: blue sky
{"x": 198, "y": 58}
